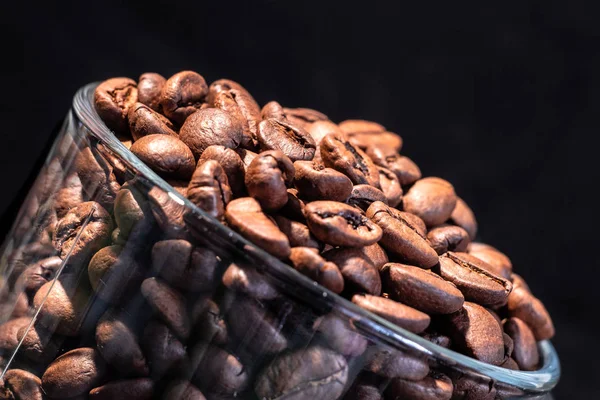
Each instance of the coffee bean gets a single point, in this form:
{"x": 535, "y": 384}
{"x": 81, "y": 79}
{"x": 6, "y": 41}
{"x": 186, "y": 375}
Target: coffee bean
{"x": 475, "y": 332}
{"x": 390, "y": 186}
{"x": 294, "y": 208}
{"x": 401, "y": 237}
{"x": 132, "y": 211}
{"x": 225, "y": 100}
{"x": 403, "y": 167}
{"x": 209, "y": 188}
{"x": 218, "y": 371}
{"x": 126, "y": 389}
{"x": 323, "y": 375}
{"x": 436, "y": 386}
{"x": 267, "y": 178}
{"x": 208, "y": 322}
{"x": 8, "y": 334}
{"x": 38, "y": 344}
{"x": 340, "y": 224}
{"x": 421, "y": 289}
{"x": 363, "y": 196}
{"x": 316, "y": 182}
{"x": 438, "y": 338}
{"x": 245, "y": 216}
{"x": 114, "y": 274}
{"x": 272, "y": 110}
{"x": 247, "y": 280}
{"x": 163, "y": 350}
{"x": 523, "y": 305}
{"x": 293, "y": 141}
{"x": 297, "y": 233}
{"x": 363, "y": 391}
{"x": 208, "y": 127}
{"x": 500, "y": 263}
{"x": 319, "y": 129}
{"x": 74, "y": 373}
{"x": 432, "y": 199}
{"x": 168, "y": 304}
{"x": 37, "y": 274}
{"x": 517, "y": 280}
{"x": 23, "y": 384}
{"x": 473, "y": 279}
{"x": 119, "y": 346}
{"x": 404, "y": 316}
{"x": 445, "y": 238}
{"x": 359, "y": 273}
{"x": 510, "y": 363}
{"x": 168, "y": 213}
{"x": 166, "y": 155}
{"x": 367, "y": 133}
{"x": 183, "y": 390}
{"x": 69, "y": 196}
{"x": 391, "y": 363}
{"x": 339, "y": 154}
{"x": 309, "y": 263}
{"x": 376, "y": 255}
{"x": 464, "y": 217}
{"x": 472, "y": 388}
{"x": 112, "y": 99}
{"x": 83, "y": 231}
{"x": 150, "y": 86}
{"x": 341, "y": 335}
{"x": 144, "y": 121}
{"x": 182, "y": 95}
{"x": 98, "y": 181}
{"x": 232, "y": 165}
{"x": 303, "y": 116}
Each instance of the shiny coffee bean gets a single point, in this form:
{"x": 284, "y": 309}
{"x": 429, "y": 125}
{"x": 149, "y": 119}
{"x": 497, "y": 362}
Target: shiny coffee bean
{"x": 340, "y": 224}
{"x": 363, "y": 196}
{"x": 319, "y": 129}
{"x": 310, "y": 263}
{"x": 74, "y": 373}
{"x": 405, "y": 169}
{"x": 438, "y": 338}
{"x": 98, "y": 182}
{"x": 436, "y": 386}
{"x": 114, "y": 274}
{"x": 323, "y": 375}
{"x": 245, "y": 216}
{"x": 303, "y": 116}
{"x": 445, "y": 238}
{"x": 247, "y": 280}
{"x": 232, "y": 165}
{"x": 272, "y": 110}
{"x": 162, "y": 349}
{"x": 463, "y": 216}
{"x": 183, "y": 390}
{"x": 404, "y": 316}
{"x": 182, "y": 95}
{"x": 360, "y": 274}
{"x": 166, "y": 155}
{"x": 472, "y": 388}
{"x": 168, "y": 213}
{"x": 37, "y": 274}
{"x": 209, "y": 325}
{"x": 23, "y": 385}
{"x": 401, "y": 236}
{"x": 268, "y": 177}
{"x": 431, "y": 199}
{"x": 144, "y": 121}
{"x": 316, "y": 182}
{"x": 293, "y": 141}
{"x": 125, "y": 389}
{"x": 132, "y": 211}
{"x": 69, "y": 196}
{"x": 112, "y": 99}
{"x": 297, "y": 233}
{"x": 390, "y": 186}
{"x": 8, "y": 334}
{"x": 341, "y": 335}
{"x": 294, "y": 208}
{"x": 341, "y": 155}
{"x": 421, "y": 289}
{"x": 523, "y": 305}
{"x": 376, "y": 255}
{"x": 391, "y": 363}
{"x": 209, "y": 188}
{"x": 169, "y": 304}
{"x": 500, "y": 263}
{"x": 226, "y": 101}
{"x": 473, "y": 279}
{"x": 363, "y": 391}
{"x": 367, "y": 133}
{"x": 209, "y": 127}
{"x": 218, "y": 372}
{"x": 150, "y": 86}
{"x": 38, "y": 344}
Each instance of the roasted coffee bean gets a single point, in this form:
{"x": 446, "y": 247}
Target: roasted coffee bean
{"x": 37, "y": 274}
{"x": 445, "y": 238}
{"x": 132, "y": 211}
{"x": 294, "y": 208}
{"x": 431, "y": 199}
{"x": 168, "y": 304}
{"x": 517, "y": 280}
{"x": 304, "y": 374}
{"x": 293, "y": 141}
{"x": 438, "y": 338}
{"x": 390, "y": 186}
{"x": 209, "y": 127}
{"x": 209, "y": 188}
{"x": 359, "y": 272}
{"x": 403, "y": 167}
{"x": 163, "y": 350}
{"x": 363, "y": 196}
{"x": 119, "y": 346}
{"x": 83, "y": 231}
{"x": 23, "y": 385}
{"x": 303, "y": 116}
{"x": 319, "y": 129}
{"x": 166, "y": 155}
{"x": 436, "y": 386}
{"x": 182, "y": 95}
{"x": 297, "y": 233}
{"x": 376, "y": 255}
{"x": 74, "y": 373}
{"x": 404, "y": 316}
{"x": 341, "y": 335}
{"x": 245, "y": 216}
{"x": 168, "y": 213}
{"x": 341, "y": 155}
{"x": 475, "y": 332}
{"x": 509, "y": 344}
{"x": 340, "y": 224}
{"x": 184, "y": 266}
{"x": 183, "y": 390}
{"x": 315, "y": 182}
{"x": 150, "y": 86}
{"x": 69, "y": 196}
{"x": 467, "y": 387}
{"x": 97, "y": 179}
{"x": 38, "y": 344}
{"x": 267, "y": 178}
{"x": 510, "y": 363}
{"x": 208, "y": 322}
{"x": 8, "y": 335}
{"x": 255, "y": 327}
{"x": 225, "y": 100}
{"x": 391, "y": 363}
{"x": 244, "y": 100}
{"x": 474, "y": 279}
{"x": 126, "y": 389}
{"x": 500, "y": 263}
{"x": 272, "y": 110}
{"x": 367, "y": 133}
{"x": 232, "y": 164}
{"x": 114, "y": 274}
{"x": 463, "y": 216}
{"x": 309, "y": 263}
{"x": 112, "y": 99}
{"x": 421, "y": 289}
{"x": 144, "y": 121}
{"x": 363, "y": 391}
{"x": 401, "y": 236}
{"x": 218, "y": 372}
{"x": 523, "y": 305}
{"x": 248, "y": 280}
{"x": 246, "y": 155}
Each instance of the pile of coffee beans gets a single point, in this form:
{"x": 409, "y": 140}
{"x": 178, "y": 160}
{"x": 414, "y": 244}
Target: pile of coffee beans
{"x": 146, "y": 308}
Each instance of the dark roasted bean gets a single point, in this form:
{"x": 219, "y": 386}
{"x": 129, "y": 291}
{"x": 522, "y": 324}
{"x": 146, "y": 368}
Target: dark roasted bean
{"x": 500, "y": 263}
{"x": 367, "y": 133}
{"x": 209, "y": 127}
{"x": 209, "y": 188}
{"x": 397, "y": 313}
{"x": 341, "y": 155}
{"x": 293, "y": 141}
{"x": 126, "y": 389}
{"x": 436, "y": 386}
{"x": 315, "y": 182}
{"x": 391, "y": 363}
{"x": 114, "y": 274}
{"x": 431, "y": 199}
{"x": 523, "y": 305}
{"x": 267, "y": 178}
{"x": 359, "y": 272}
{"x": 463, "y": 216}
{"x": 309, "y": 263}
{"x": 405, "y": 169}
{"x": 112, "y": 99}
{"x": 445, "y": 238}
{"x": 340, "y": 335}
{"x": 150, "y": 86}
{"x": 168, "y": 304}
{"x": 390, "y": 186}
{"x": 74, "y": 373}
{"x": 182, "y": 95}
{"x": 144, "y": 121}
{"x": 363, "y": 196}
{"x": 298, "y": 233}
{"x": 232, "y": 165}
{"x": 248, "y": 280}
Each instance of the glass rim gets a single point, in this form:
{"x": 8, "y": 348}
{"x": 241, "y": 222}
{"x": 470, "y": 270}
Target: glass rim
{"x": 540, "y": 381}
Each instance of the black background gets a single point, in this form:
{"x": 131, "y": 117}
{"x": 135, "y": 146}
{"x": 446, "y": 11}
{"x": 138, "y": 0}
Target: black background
{"x": 501, "y": 100}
